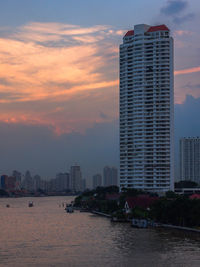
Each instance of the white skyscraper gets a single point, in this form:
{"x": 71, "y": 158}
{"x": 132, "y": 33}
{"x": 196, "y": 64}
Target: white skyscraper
{"x": 190, "y": 159}
{"x": 146, "y": 109}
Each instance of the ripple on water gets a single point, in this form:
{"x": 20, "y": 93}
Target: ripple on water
{"x": 46, "y": 235}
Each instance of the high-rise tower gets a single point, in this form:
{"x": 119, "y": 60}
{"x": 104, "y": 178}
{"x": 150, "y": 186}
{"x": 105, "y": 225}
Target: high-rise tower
{"x": 190, "y": 159}
{"x": 146, "y": 109}
{"x": 97, "y": 180}
{"x": 75, "y": 178}
{"x": 110, "y": 176}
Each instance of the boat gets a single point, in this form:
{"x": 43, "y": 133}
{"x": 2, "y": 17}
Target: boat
{"x": 139, "y": 223}
{"x": 69, "y": 208}
{"x": 30, "y": 204}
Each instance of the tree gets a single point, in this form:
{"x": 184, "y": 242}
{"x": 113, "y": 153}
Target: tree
{"x": 180, "y": 211}
{"x": 3, "y": 193}
{"x": 170, "y": 194}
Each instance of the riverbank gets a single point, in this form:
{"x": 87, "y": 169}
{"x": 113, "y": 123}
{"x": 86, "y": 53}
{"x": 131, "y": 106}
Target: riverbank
{"x": 181, "y": 228}
{"x": 101, "y": 214}
{"x": 178, "y": 211}
{"x": 36, "y": 196}
{"x": 160, "y": 225}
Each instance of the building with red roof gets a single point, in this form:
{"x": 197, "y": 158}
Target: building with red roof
{"x": 147, "y": 109}
{"x": 114, "y": 196}
{"x": 140, "y": 201}
{"x": 195, "y": 196}
{"x": 149, "y": 29}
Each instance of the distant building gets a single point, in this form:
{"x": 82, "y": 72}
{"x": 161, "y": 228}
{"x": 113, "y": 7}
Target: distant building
{"x": 114, "y": 176}
{"x": 75, "y": 178}
{"x": 18, "y": 177}
{"x": 62, "y": 182}
{"x": 8, "y": 182}
{"x": 28, "y": 182}
{"x": 190, "y": 159}
{"x": 97, "y": 180}
{"x": 37, "y": 182}
{"x": 45, "y": 185}
{"x": 83, "y": 185}
{"x": 110, "y": 176}
{"x": 107, "y": 176}
{"x": 11, "y": 183}
{"x": 4, "y": 181}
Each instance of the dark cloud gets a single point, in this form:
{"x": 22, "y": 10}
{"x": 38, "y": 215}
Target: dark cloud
{"x": 192, "y": 86}
{"x": 10, "y": 95}
{"x": 4, "y": 81}
{"x": 103, "y": 115}
{"x": 180, "y": 20}
{"x": 186, "y": 123}
{"x": 174, "y": 7}
{"x": 37, "y": 149}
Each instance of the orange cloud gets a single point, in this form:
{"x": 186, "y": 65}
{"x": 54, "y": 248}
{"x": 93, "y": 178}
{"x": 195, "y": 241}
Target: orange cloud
{"x": 37, "y": 71}
{"x": 50, "y": 63}
{"x": 62, "y": 29}
{"x": 182, "y": 33}
{"x": 187, "y": 71}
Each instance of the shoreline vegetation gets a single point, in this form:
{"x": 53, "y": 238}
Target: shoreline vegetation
{"x": 181, "y": 212}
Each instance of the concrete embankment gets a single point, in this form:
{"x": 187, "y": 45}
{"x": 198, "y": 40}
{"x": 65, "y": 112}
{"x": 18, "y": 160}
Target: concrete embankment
{"x": 188, "y": 229}
{"x": 101, "y": 214}
{"x": 168, "y": 226}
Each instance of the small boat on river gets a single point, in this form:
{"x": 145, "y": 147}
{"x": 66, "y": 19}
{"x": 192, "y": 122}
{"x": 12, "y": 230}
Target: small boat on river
{"x": 30, "y": 204}
{"x": 139, "y": 223}
{"x": 69, "y": 208}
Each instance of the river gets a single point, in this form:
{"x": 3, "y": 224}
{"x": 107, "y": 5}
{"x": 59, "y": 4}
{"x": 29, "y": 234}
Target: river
{"x": 45, "y": 235}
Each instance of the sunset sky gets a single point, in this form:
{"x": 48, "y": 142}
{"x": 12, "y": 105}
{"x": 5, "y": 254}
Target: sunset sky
{"x": 59, "y": 78}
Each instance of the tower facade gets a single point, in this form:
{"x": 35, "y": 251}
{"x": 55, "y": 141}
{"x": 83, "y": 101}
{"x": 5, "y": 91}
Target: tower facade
{"x": 75, "y": 178}
{"x": 146, "y": 109}
{"x": 190, "y": 159}
{"x": 96, "y": 180}
{"x": 110, "y": 176}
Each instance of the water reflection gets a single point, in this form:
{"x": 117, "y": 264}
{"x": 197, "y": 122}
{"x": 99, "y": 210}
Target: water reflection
{"x": 46, "y": 235}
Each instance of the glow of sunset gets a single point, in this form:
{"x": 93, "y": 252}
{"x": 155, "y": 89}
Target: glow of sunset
{"x": 61, "y": 76}
{"x": 49, "y": 64}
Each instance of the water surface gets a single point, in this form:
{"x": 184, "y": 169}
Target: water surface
{"x": 45, "y": 235}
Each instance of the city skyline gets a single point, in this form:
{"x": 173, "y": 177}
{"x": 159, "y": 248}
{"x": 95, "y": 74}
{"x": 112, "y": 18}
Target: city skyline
{"x": 49, "y": 120}
{"x": 72, "y": 179}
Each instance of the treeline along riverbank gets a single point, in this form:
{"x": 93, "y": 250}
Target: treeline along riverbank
{"x": 171, "y": 209}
